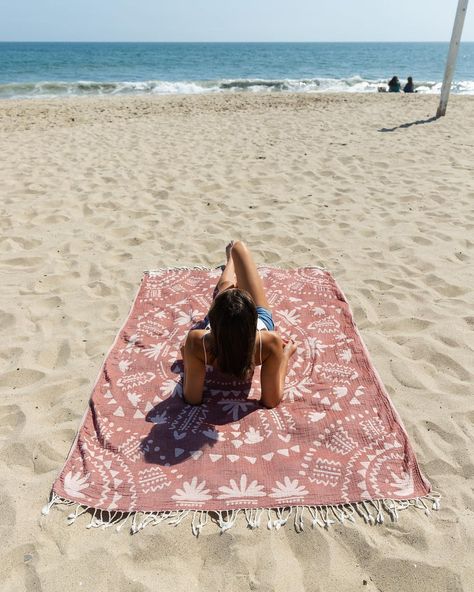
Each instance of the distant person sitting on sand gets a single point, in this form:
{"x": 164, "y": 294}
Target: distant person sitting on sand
{"x": 394, "y": 85}
{"x": 409, "y": 86}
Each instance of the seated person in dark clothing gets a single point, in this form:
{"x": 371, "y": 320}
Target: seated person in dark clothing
{"x": 394, "y": 85}
{"x": 409, "y": 86}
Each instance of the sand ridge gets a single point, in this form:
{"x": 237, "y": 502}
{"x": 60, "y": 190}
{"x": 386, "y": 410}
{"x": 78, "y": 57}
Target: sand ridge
{"x": 95, "y": 190}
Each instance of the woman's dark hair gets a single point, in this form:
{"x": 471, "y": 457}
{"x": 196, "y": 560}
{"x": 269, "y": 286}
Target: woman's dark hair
{"x": 233, "y": 319}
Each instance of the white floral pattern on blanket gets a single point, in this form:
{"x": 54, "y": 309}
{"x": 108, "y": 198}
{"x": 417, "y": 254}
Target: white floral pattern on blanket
{"x": 334, "y": 439}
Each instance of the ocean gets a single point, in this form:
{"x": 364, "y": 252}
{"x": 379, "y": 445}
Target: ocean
{"x": 64, "y": 69}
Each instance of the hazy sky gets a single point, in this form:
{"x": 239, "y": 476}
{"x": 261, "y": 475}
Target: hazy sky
{"x": 230, "y": 20}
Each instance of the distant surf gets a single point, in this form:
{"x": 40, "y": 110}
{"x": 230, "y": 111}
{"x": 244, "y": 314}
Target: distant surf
{"x": 355, "y": 84}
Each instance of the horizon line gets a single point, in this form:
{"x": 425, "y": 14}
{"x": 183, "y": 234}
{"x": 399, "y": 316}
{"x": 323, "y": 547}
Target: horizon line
{"x": 210, "y": 42}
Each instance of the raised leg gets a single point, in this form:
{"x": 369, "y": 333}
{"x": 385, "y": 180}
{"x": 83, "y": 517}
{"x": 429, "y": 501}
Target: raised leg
{"x": 227, "y": 279}
{"x": 247, "y": 274}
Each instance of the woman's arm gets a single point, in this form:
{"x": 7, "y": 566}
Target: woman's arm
{"x": 274, "y": 369}
{"x": 194, "y": 370}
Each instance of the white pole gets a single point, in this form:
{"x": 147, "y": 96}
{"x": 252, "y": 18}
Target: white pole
{"x": 452, "y": 56}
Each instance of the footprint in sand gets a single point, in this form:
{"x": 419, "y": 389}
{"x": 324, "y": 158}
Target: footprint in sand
{"x": 12, "y": 420}
{"x": 16, "y": 453}
{"x": 404, "y": 326}
{"x": 20, "y": 378}
{"x": 419, "y": 240}
{"x": 415, "y": 570}
{"x": 15, "y": 242}
{"x": 443, "y": 287}
{"x": 23, "y": 574}
{"x": 23, "y": 261}
{"x": 55, "y": 355}
{"x": 98, "y": 289}
{"x": 450, "y": 366}
{"x": 11, "y": 355}
{"x": 469, "y": 321}
{"x": 6, "y": 319}
{"x": 407, "y": 373}
{"x": 112, "y": 313}
{"x": 45, "y": 457}
{"x": 7, "y": 512}
{"x": 55, "y": 219}
{"x": 378, "y": 285}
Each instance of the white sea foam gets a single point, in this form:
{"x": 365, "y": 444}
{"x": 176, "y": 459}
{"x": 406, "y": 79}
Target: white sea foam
{"x": 354, "y": 84}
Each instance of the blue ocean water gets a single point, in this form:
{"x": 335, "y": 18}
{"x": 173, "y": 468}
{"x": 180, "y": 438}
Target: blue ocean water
{"x": 58, "y": 69}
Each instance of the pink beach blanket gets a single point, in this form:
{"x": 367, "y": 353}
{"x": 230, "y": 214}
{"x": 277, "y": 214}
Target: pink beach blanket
{"x": 335, "y": 447}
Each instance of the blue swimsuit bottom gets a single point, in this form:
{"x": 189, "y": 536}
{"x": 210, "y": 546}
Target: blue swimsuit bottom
{"x": 265, "y": 316}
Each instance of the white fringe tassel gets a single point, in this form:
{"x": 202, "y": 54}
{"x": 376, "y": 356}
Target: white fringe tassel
{"x": 373, "y": 512}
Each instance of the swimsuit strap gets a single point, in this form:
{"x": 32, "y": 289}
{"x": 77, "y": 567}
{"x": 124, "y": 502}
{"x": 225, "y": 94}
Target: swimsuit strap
{"x": 204, "y": 348}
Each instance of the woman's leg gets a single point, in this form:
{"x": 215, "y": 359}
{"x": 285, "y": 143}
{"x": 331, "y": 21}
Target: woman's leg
{"x": 227, "y": 279}
{"x": 247, "y": 274}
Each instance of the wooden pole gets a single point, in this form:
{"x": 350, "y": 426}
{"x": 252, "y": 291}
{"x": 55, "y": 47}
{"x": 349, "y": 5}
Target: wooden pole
{"x": 452, "y": 56}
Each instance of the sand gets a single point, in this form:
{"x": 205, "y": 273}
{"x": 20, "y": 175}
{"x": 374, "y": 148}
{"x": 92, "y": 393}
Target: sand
{"x": 96, "y": 190}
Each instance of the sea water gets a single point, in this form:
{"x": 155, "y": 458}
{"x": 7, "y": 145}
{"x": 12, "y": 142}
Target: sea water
{"x": 60, "y": 69}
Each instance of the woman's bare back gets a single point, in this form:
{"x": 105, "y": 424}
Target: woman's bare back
{"x": 262, "y": 349}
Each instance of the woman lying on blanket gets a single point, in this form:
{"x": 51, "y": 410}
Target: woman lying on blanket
{"x": 239, "y": 334}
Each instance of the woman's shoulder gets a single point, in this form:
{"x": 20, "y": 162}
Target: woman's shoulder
{"x": 193, "y": 333}
{"x": 271, "y": 341}
{"x": 272, "y": 336}
{"x": 195, "y": 339}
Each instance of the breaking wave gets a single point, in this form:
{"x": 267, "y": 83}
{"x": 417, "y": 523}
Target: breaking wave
{"x": 355, "y": 84}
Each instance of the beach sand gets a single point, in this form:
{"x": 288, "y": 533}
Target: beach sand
{"x": 96, "y": 190}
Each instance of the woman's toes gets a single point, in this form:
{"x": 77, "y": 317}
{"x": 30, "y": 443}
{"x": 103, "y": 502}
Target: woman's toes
{"x": 229, "y": 248}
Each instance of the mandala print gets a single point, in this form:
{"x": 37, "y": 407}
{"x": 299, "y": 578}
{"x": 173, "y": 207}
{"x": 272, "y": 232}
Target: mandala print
{"x": 335, "y": 437}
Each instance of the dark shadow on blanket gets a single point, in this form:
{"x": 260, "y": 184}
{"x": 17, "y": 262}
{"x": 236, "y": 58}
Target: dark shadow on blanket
{"x": 181, "y": 430}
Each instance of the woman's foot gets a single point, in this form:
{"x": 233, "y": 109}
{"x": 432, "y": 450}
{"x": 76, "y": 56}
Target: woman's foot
{"x": 228, "y": 249}
{"x": 227, "y": 279}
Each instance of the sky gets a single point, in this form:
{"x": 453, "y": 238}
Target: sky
{"x": 230, "y": 20}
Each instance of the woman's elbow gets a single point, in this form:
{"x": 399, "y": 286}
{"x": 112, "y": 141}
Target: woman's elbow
{"x": 192, "y": 399}
{"x": 271, "y": 405}
{"x": 271, "y": 402}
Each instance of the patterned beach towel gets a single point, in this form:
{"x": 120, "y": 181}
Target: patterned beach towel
{"x": 333, "y": 449}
